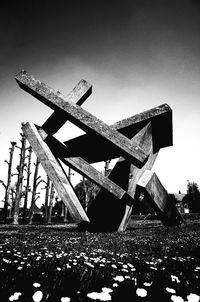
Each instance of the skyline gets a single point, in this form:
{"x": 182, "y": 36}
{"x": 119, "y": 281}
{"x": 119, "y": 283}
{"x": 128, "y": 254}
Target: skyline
{"x": 136, "y": 54}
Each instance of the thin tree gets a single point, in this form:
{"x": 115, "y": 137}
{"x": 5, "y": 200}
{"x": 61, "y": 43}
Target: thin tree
{"x": 27, "y": 187}
{"x": 13, "y": 197}
{"x": 52, "y": 192}
{"x": 19, "y": 185}
{"x": 8, "y": 185}
{"x": 46, "y": 205}
{"x": 36, "y": 182}
{"x": 70, "y": 173}
{"x": 106, "y": 168}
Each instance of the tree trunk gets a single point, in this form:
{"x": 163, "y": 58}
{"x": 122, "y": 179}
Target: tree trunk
{"x": 19, "y": 181}
{"x": 27, "y": 183}
{"x": 13, "y": 144}
{"x": 51, "y": 203}
{"x": 34, "y": 192}
{"x": 46, "y": 205}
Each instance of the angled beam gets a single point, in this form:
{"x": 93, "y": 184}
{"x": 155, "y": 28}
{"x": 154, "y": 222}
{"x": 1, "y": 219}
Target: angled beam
{"x": 161, "y": 121}
{"x": 123, "y": 174}
{"x": 82, "y": 167}
{"x": 158, "y": 198}
{"x": 55, "y": 172}
{"x": 81, "y": 118}
{"x": 146, "y": 142}
{"x": 78, "y": 95}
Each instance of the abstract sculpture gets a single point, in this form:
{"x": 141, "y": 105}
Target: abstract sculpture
{"x": 136, "y": 141}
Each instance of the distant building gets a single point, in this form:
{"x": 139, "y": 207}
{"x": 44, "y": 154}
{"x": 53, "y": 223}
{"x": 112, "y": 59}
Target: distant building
{"x": 182, "y": 207}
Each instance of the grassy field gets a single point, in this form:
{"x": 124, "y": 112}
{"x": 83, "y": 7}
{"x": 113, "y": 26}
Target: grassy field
{"x": 148, "y": 262}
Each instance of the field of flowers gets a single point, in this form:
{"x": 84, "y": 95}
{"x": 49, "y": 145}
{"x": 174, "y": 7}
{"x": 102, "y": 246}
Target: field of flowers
{"x": 149, "y": 262}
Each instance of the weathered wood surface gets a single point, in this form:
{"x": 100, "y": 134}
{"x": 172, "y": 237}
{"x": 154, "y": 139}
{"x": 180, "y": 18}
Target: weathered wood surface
{"x": 90, "y": 148}
{"x": 78, "y": 95}
{"x": 146, "y": 140}
{"x": 81, "y": 118}
{"x": 121, "y": 176}
{"x": 82, "y": 167}
{"x": 158, "y": 198}
{"x": 55, "y": 173}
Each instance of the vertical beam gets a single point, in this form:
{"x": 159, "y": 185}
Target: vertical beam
{"x": 55, "y": 172}
{"x": 105, "y": 205}
{"x": 146, "y": 142}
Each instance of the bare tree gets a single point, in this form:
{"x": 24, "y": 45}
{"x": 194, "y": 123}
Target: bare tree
{"x": 27, "y": 187}
{"x": 19, "y": 185}
{"x": 46, "y": 205}
{"x": 7, "y": 186}
{"x": 51, "y": 203}
{"x": 106, "y": 168}
{"x": 36, "y": 182}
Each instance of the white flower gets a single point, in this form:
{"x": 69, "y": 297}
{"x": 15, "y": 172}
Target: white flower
{"x": 15, "y": 296}
{"x": 119, "y": 278}
{"x": 141, "y": 292}
{"x": 115, "y": 285}
{"x": 124, "y": 270}
{"x": 175, "y": 298}
{"x": 36, "y": 284}
{"x": 89, "y": 264}
{"x": 193, "y": 298}
{"x": 153, "y": 267}
{"x": 170, "y": 290}
{"x": 107, "y": 290}
{"x": 6, "y": 261}
{"x": 37, "y": 296}
{"x": 147, "y": 284}
{"x": 99, "y": 296}
{"x": 175, "y": 279}
{"x": 65, "y": 299}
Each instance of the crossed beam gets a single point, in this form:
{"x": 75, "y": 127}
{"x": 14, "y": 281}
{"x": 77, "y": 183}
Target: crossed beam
{"x": 135, "y": 140}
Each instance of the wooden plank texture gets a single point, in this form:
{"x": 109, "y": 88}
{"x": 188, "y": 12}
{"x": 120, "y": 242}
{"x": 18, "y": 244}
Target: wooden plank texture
{"x": 82, "y": 167}
{"x": 78, "y": 95}
{"x": 146, "y": 142}
{"x": 160, "y": 117}
{"x": 158, "y": 198}
{"x": 55, "y": 173}
{"x": 120, "y": 175}
{"x": 81, "y": 118}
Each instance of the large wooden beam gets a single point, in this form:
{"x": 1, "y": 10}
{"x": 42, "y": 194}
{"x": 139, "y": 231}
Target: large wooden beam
{"x": 122, "y": 174}
{"x": 146, "y": 142}
{"x": 158, "y": 198}
{"x": 55, "y": 173}
{"x": 90, "y": 148}
{"x": 58, "y": 118}
{"x": 82, "y": 167}
{"x": 81, "y": 118}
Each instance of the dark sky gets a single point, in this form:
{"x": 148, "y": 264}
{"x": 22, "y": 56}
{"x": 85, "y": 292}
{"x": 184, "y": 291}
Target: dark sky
{"x": 137, "y": 54}
{"x": 104, "y": 34}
